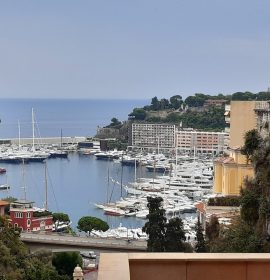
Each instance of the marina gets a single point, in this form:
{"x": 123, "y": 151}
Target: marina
{"x": 82, "y": 184}
{"x": 111, "y": 185}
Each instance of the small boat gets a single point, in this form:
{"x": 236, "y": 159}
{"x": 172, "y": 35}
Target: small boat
{"x": 4, "y": 187}
{"x": 2, "y": 170}
{"x": 59, "y": 226}
{"x": 112, "y": 211}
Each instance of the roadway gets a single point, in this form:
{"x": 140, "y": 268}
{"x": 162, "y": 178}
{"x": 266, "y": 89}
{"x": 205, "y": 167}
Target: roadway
{"x": 57, "y": 242}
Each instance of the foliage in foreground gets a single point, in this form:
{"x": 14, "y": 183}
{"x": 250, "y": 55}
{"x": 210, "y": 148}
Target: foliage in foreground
{"x": 16, "y": 263}
{"x": 249, "y": 233}
{"x": 65, "y": 262}
{"x": 163, "y": 236}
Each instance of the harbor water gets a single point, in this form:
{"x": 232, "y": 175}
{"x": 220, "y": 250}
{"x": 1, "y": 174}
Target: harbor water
{"x": 76, "y": 183}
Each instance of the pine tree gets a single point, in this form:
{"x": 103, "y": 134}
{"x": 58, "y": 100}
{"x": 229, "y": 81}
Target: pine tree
{"x": 200, "y": 245}
{"x": 155, "y": 227}
{"x": 175, "y": 236}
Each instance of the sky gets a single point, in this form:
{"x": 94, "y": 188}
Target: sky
{"x": 133, "y": 49}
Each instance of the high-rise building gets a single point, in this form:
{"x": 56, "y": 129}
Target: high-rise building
{"x": 153, "y": 136}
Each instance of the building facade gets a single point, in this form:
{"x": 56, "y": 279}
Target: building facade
{"x": 230, "y": 173}
{"x": 153, "y": 136}
{"x": 262, "y": 111}
{"x": 189, "y": 140}
{"x": 241, "y": 116}
{"x": 23, "y": 215}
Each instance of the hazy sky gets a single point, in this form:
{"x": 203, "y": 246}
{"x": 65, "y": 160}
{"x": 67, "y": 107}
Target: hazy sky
{"x": 133, "y": 48}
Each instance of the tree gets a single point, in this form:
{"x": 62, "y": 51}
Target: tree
{"x": 212, "y": 228}
{"x": 65, "y": 262}
{"x": 115, "y": 123}
{"x": 176, "y": 101}
{"x": 164, "y": 104}
{"x": 138, "y": 114}
{"x": 253, "y": 140}
{"x": 200, "y": 246}
{"x": 238, "y": 238}
{"x": 16, "y": 263}
{"x": 175, "y": 236}
{"x": 88, "y": 223}
{"x": 162, "y": 236}
{"x": 243, "y": 96}
{"x": 155, "y": 104}
{"x": 62, "y": 217}
{"x": 250, "y": 202}
{"x": 197, "y": 100}
{"x": 155, "y": 227}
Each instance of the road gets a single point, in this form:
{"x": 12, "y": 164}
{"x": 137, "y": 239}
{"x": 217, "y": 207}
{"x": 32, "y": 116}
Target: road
{"x": 66, "y": 242}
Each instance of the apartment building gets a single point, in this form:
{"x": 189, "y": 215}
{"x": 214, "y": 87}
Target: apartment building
{"x": 241, "y": 116}
{"x": 153, "y": 136}
{"x": 189, "y": 140}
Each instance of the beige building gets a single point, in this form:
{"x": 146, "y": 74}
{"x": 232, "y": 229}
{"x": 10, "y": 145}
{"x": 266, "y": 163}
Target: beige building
{"x": 242, "y": 116}
{"x": 189, "y": 140}
{"x": 230, "y": 173}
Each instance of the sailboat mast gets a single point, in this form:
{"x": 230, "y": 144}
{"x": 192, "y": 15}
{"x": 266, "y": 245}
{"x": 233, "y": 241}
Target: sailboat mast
{"x": 61, "y": 143}
{"x": 33, "y": 130}
{"x": 122, "y": 177}
{"x": 23, "y": 179}
{"x": 108, "y": 184}
{"x": 135, "y": 170}
{"x": 46, "y": 188}
{"x": 19, "y": 128}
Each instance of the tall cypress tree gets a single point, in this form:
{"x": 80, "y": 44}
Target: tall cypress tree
{"x": 155, "y": 227}
{"x": 175, "y": 236}
{"x": 200, "y": 246}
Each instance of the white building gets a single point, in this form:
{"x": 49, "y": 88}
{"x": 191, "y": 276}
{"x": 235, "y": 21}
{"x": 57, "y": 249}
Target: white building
{"x": 153, "y": 136}
{"x": 166, "y": 137}
{"x": 189, "y": 140}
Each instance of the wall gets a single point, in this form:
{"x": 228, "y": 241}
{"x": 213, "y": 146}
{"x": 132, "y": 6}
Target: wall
{"x": 184, "y": 266}
{"x": 242, "y": 119}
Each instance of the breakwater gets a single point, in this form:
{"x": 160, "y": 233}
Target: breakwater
{"x": 44, "y": 140}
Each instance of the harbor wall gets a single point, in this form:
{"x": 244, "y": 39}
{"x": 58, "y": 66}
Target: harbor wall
{"x": 44, "y": 140}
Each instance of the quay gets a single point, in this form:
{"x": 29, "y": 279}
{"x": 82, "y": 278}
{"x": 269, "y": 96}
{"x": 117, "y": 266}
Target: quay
{"x": 45, "y": 140}
{"x": 37, "y": 241}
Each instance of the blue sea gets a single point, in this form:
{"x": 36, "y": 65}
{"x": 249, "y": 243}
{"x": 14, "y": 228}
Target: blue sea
{"x": 78, "y": 182}
{"x": 79, "y": 117}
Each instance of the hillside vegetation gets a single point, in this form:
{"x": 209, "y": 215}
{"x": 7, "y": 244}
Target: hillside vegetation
{"x": 195, "y": 111}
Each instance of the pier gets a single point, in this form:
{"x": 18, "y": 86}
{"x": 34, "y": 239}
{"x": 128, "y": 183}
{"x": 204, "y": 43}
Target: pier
{"x": 56, "y": 242}
{"x": 44, "y": 140}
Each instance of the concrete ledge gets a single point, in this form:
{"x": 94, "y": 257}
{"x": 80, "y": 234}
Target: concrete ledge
{"x": 184, "y": 266}
{"x": 114, "y": 266}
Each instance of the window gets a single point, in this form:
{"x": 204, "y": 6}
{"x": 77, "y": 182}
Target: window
{"x": 28, "y": 215}
{"x": 28, "y": 222}
{"x": 18, "y": 214}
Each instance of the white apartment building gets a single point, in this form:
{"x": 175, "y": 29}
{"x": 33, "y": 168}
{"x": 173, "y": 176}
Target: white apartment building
{"x": 153, "y": 136}
{"x": 166, "y": 137}
{"x": 189, "y": 140}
